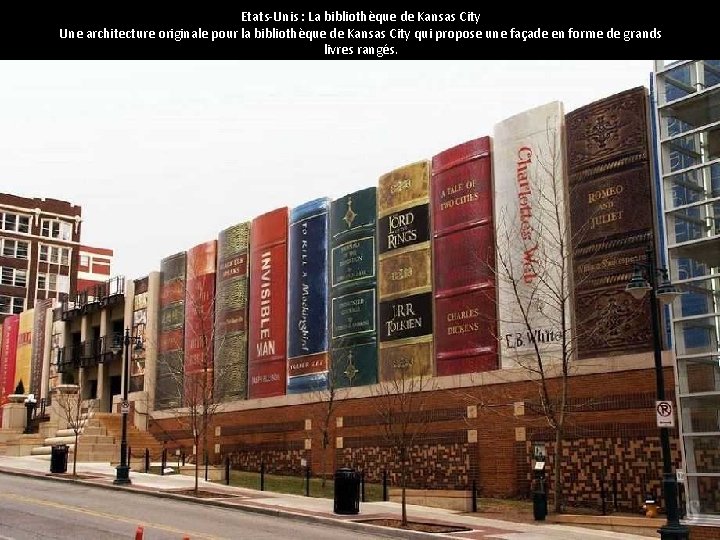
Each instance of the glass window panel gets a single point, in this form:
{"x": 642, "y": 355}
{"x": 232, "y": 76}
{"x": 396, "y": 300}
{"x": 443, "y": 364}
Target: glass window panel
{"x": 701, "y": 413}
{"x": 699, "y": 374}
{"x": 708, "y": 495}
{"x": 706, "y": 451}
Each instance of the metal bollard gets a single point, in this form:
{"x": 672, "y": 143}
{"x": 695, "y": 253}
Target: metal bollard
{"x": 307, "y": 481}
{"x": 603, "y": 495}
{"x": 262, "y": 476}
{"x": 163, "y": 462}
{"x": 128, "y": 456}
{"x": 385, "y": 486}
{"x": 227, "y": 470}
{"x": 362, "y": 485}
{"x": 147, "y": 460}
{"x": 474, "y": 496}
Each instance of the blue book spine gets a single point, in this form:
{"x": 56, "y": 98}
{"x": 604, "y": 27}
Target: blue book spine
{"x": 308, "y": 357}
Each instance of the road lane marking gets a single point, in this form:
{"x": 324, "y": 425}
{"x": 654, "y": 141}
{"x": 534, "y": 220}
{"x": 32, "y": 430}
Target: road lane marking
{"x": 106, "y": 515}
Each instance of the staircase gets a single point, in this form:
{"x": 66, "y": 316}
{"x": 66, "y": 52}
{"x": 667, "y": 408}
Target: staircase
{"x": 94, "y": 444}
{"x": 138, "y": 440}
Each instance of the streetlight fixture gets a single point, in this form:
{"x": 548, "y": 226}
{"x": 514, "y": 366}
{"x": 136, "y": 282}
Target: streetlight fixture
{"x": 645, "y": 279}
{"x": 122, "y": 476}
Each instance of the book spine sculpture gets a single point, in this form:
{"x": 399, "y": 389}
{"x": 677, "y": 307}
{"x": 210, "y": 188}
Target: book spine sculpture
{"x": 405, "y": 312}
{"x": 353, "y": 281}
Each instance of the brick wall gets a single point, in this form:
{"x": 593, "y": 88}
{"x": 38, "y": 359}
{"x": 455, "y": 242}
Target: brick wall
{"x": 611, "y": 428}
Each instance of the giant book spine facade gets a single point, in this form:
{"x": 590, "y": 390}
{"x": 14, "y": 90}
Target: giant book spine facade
{"x": 267, "y": 339}
{"x": 231, "y": 313}
{"x": 612, "y": 221}
{"x": 10, "y": 326}
{"x": 353, "y": 282}
{"x": 23, "y": 360}
{"x": 199, "y": 323}
{"x": 531, "y": 222}
{"x": 38, "y": 346}
{"x": 464, "y": 259}
{"x": 307, "y": 334}
{"x": 171, "y": 333}
{"x": 405, "y": 312}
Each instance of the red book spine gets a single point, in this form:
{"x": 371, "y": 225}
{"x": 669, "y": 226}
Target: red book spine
{"x": 267, "y": 353}
{"x": 464, "y": 260}
{"x": 7, "y": 356}
{"x": 199, "y": 322}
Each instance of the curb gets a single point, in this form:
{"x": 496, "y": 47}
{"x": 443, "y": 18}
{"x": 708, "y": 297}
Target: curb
{"x": 288, "y": 514}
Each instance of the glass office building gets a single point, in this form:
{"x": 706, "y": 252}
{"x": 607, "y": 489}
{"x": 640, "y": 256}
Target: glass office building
{"x": 687, "y": 108}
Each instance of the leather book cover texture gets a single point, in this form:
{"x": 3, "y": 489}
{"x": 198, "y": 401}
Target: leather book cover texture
{"x": 611, "y": 202}
{"x": 199, "y": 323}
{"x": 353, "y": 288}
{"x": 24, "y": 348}
{"x": 38, "y": 346}
{"x": 267, "y": 338}
{"x": 231, "y": 305}
{"x": 10, "y": 326}
{"x": 464, "y": 259}
{"x": 171, "y": 333}
{"x": 533, "y": 267}
{"x": 405, "y": 273}
{"x": 307, "y": 334}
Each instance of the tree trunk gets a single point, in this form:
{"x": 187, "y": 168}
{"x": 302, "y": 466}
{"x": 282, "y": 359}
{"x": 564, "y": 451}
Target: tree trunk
{"x": 557, "y": 486}
{"x": 324, "y": 457}
{"x": 403, "y": 484}
{"x": 197, "y": 463}
{"x": 75, "y": 453}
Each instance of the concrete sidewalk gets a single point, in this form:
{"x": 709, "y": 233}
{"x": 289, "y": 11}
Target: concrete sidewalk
{"x": 311, "y": 508}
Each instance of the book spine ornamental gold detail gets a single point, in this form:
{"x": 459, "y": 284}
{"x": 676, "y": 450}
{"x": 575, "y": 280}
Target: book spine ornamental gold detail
{"x": 405, "y": 273}
{"x": 231, "y": 303}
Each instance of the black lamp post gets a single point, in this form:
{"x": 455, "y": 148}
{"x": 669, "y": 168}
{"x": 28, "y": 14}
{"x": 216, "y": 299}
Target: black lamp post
{"x": 666, "y": 293}
{"x": 122, "y": 476}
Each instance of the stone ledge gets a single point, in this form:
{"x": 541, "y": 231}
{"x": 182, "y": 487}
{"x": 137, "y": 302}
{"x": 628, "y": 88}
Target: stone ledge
{"x": 616, "y": 521}
{"x": 450, "y": 499}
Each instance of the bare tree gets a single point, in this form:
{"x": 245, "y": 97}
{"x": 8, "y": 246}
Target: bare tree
{"x": 534, "y": 272}
{"x": 402, "y": 407}
{"x": 329, "y": 397}
{"x": 193, "y": 378}
{"x": 75, "y": 412}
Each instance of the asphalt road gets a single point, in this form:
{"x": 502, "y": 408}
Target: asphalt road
{"x": 39, "y": 509}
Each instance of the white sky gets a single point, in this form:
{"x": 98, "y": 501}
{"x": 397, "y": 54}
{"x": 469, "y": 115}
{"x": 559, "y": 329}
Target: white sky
{"x": 163, "y": 155}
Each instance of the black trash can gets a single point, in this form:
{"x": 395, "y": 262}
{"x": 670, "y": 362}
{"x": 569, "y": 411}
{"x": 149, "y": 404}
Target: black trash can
{"x": 540, "y": 509}
{"x": 347, "y": 491}
{"x": 58, "y": 458}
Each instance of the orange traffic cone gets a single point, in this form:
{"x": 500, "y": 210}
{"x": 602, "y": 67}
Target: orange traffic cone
{"x": 139, "y": 533}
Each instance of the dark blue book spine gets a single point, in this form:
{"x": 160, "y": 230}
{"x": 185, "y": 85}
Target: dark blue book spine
{"x": 353, "y": 282}
{"x": 308, "y": 297}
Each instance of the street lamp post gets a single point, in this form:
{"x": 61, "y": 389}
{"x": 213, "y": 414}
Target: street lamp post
{"x": 665, "y": 292}
{"x": 122, "y": 476}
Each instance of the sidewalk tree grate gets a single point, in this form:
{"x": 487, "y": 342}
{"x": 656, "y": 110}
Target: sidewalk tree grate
{"x": 415, "y": 525}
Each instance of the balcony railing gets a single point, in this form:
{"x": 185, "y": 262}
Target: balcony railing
{"x": 94, "y": 298}
{"x": 89, "y": 353}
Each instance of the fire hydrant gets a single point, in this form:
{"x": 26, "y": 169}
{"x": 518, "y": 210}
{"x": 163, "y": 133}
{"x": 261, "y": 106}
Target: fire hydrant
{"x": 650, "y": 507}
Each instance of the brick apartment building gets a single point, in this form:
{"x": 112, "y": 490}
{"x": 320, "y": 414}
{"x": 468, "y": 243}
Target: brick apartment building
{"x": 40, "y": 239}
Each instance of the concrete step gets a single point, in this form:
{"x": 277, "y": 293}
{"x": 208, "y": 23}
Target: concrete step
{"x": 64, "y": 433}
{"x": 47, "y": 450}
{"x": 50, "y": 441}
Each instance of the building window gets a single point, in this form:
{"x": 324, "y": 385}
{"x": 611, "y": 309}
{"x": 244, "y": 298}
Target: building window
{"x": 13, "y": 277}
{"x": 52, "y": 282}
{"x": 14, "y": 222}
{"x": 15, "y": 248}
{"x": 52, "y": 228}
{"x": 64, "y": 256}
{"x": 84, "y": 260}
{"x": 11, "y": 304}
{"x": 54, "y": 255}
{"x": 42, "y": 282}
